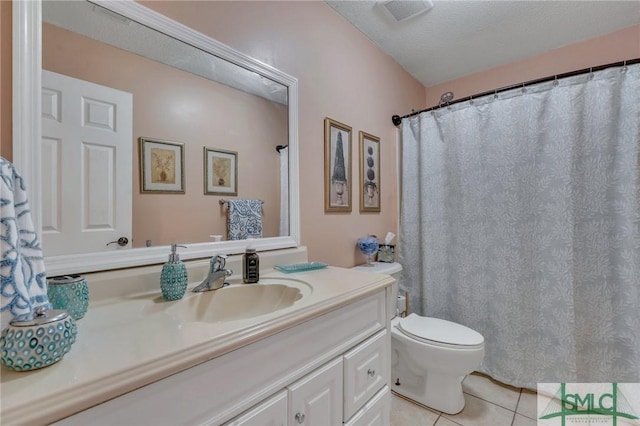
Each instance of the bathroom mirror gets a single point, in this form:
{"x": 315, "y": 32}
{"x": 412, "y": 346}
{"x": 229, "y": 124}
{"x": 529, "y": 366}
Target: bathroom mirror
{"x": 195, "y": 54}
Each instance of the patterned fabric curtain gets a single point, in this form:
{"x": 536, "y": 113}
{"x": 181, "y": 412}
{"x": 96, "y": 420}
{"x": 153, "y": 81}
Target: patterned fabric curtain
{"x": 520, "y": 219}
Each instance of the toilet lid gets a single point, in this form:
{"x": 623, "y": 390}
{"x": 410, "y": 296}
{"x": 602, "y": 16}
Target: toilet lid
{"x": 439, "y": 330}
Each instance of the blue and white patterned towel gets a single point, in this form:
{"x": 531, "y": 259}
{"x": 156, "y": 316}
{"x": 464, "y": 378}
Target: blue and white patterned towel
{"x": 23, "y": 281}
{"x": 245, "y": 219}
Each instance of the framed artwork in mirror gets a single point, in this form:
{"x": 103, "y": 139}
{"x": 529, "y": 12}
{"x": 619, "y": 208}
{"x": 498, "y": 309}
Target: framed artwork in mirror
{"x": 337, "y": 166}
{"x": 161, "y": 166}
{"x": 220, "y": 172}
{"x": 369, "y": 172}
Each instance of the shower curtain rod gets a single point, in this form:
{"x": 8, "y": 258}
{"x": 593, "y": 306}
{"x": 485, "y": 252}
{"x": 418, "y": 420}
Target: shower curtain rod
{"x": 397, "y": 120}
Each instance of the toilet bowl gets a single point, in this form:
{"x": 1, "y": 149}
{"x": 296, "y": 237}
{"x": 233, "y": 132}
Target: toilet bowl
{"x": 429, "y": 356}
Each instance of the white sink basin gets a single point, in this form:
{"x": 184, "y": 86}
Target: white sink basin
{"x": 239, "y": 301}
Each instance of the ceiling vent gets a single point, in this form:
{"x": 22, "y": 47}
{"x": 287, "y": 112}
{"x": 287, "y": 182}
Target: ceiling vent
{"x": 401, "y": 10}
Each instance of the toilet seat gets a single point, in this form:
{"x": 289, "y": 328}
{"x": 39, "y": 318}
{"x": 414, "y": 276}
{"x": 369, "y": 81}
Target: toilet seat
{"x": 439, "y": 332}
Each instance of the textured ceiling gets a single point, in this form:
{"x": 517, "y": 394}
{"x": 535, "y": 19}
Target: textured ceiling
{"x": 458, "y": 38}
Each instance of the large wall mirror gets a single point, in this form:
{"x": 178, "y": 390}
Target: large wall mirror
{"x": 129, "y": 124}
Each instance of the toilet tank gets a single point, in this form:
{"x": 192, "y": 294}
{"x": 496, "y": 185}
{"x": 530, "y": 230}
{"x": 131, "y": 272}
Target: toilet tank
{"x": 394, "y": 269}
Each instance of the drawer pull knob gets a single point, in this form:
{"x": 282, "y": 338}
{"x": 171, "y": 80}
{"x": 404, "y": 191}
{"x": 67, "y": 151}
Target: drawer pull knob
{"x": 371, "y": 372}
{"x": 300, "y": 418}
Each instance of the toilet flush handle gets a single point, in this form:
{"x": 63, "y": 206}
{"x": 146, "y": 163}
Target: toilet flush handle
{"x": 371, "y": 372}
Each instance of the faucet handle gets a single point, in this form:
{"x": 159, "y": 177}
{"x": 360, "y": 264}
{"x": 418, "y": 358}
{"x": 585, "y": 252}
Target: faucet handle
{"x": 219, "y": 261}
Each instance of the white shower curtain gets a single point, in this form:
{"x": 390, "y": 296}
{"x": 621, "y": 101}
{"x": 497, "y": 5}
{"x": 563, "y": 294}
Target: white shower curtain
{"x": 284, "y": 191}
{"x": 520, "y": 219}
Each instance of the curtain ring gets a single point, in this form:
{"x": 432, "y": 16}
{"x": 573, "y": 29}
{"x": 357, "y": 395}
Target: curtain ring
{"x": 524, "y": 89}
{"x": 555, "y": 81}
{"x": 624, "y": 67}
{"x": 591, "y": 73}
{"x": 470, "y": 100}
{"x": 495, "y": 94}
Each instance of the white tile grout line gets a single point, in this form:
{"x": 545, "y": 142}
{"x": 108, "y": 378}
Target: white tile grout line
{"x": 495, "y": 403}
{"x": 513, "y": 419}
{"x": 522, "y": 414}
{"x": 416, "y": 403}
{"x": 436, "y": 422}
{"x": 517, "y": 403}
{"x": 434, "y": 411}
{"x": 446, "y": 418}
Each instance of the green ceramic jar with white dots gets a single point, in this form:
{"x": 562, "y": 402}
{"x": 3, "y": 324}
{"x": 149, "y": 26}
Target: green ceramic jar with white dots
{"x": 69, "y": 293}
{"x": 37, "y": 340}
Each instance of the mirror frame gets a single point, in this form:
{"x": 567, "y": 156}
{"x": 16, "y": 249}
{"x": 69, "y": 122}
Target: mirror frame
{"x": 27, "y": 67}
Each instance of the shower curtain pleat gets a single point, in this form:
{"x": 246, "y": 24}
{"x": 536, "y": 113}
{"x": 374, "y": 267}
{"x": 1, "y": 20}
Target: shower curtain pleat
{"x": 520, "y": 219}
{"x": 284, "y": 191}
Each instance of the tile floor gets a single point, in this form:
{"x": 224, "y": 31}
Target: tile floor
{"x": 488, "y": 403}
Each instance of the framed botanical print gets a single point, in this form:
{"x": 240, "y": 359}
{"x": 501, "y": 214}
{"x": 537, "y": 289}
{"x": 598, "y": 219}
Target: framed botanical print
{"x": 337, "y": 166}
{"x": 220, "y": 172}
{"x": 161, "y": 166}
{"x": 369, "y": 172}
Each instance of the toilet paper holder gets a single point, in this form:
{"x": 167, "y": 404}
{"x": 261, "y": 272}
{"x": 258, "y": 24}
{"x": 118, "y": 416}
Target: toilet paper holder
{"x": 402, "y": 305}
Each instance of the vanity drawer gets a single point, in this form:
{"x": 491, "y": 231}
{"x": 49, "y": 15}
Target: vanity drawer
{"x": 366, "y": 371}
{"x": 376, "y": 411}
{"x": 272, "y": 412}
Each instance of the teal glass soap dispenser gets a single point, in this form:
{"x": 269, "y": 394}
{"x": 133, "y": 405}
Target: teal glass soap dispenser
{"x": 173, "y": 279}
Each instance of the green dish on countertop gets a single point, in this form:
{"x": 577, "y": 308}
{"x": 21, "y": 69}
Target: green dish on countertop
{"x": 300, "y": 267}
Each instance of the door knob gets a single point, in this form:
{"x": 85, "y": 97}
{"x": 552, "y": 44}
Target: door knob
{"x": 122, "y": 241}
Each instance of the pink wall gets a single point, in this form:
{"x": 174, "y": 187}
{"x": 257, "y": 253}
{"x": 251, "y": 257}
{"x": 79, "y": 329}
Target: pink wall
{"x": 342, "y": 75}
{"x": 174, "y": 105}
{"x": 606, "y": 49}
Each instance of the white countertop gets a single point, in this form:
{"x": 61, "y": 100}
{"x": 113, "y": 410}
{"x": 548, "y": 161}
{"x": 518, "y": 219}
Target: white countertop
{"x": 127, "y": 342}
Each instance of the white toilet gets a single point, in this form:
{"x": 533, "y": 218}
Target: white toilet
{"x": 429, "y": 356}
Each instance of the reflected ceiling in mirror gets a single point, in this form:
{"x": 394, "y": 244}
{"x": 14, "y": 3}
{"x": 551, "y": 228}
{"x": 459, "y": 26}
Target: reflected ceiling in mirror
{"x": 181, "y": 94}
{"x": 101, "y": 24}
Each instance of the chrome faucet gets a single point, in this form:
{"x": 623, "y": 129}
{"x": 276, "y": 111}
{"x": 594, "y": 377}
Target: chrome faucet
{"x": 217, "y": 274}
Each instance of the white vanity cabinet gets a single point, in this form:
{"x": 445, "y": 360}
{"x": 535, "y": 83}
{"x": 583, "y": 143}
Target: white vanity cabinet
{"x": 330, "y": 369}
{"x": 272, "y": 412}
{"x": 353, "y": 388}
{"x": 317, "y": 398}
{"x": 366, "y": 371}
{"x": 376, "y": 411}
